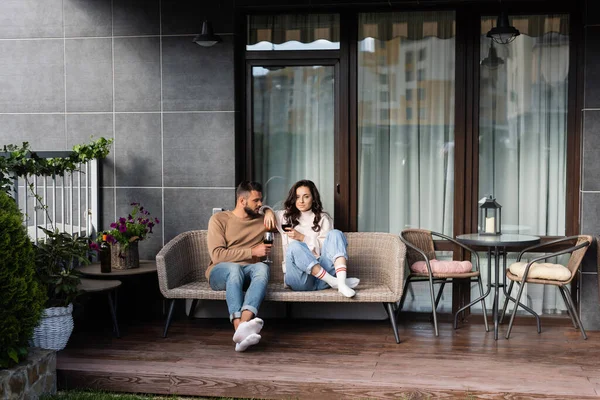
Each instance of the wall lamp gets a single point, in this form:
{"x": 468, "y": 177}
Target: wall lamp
{"x": 207, "y": 37}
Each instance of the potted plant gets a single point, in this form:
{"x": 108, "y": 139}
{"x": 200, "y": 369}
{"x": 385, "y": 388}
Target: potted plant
{"x": 125, "y": 235}
{"x": 22, "y": 298}
{"x": 56, "y": 258}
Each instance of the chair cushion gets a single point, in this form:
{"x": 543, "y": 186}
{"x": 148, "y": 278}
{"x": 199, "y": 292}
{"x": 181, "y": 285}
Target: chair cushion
{"x": 442, "y": 267}
{"x": 548, "y": 271}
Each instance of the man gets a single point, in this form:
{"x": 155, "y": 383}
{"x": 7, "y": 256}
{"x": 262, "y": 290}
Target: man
{"x": 235, "y": 244}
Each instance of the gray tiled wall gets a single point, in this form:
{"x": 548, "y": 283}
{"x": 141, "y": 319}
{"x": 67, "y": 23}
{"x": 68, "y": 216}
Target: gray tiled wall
{"x": 590, "y": 205}
{"x": 128, "y": 70}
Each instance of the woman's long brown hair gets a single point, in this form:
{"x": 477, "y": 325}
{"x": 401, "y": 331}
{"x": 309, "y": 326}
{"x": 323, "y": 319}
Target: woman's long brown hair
{"x": 291, "y": 211}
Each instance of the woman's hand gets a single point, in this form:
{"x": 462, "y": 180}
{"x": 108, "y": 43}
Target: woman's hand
{"x": 269, "y": 220}
{"x": 294, "y": 234}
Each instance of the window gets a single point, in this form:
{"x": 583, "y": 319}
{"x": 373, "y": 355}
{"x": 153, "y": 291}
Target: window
{"x": 421, "y": 74}
{"x": 384, "y": 114}
{"x": 519, "y": 147}
{"x": 383, "y": 79}
{"x": 289, "y": 143}
{"x": 384, "y": 97}
{"x": 523, "y": 135}
{"x": 392, "y": 160}
{"x": 421, "y": 94}
{"x": 422, "y": 54}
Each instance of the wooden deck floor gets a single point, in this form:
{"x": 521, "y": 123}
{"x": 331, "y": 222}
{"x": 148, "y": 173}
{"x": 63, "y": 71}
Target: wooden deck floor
{"x": 299, "y": 359}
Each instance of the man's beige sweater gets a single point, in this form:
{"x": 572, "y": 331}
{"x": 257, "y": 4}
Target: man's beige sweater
{"x": 231, "y": 239}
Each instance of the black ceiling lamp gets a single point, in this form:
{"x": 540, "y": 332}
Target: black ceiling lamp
{"x": 492, "y": 61}
{"x": 504, "y": 32}
{"x": 207, "y": 37}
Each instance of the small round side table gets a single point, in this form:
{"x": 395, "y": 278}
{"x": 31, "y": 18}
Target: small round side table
{"x": 109, "y": 286}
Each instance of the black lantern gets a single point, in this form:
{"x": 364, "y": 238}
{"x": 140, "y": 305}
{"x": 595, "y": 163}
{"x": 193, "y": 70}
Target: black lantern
{"x": 490, "y": 216}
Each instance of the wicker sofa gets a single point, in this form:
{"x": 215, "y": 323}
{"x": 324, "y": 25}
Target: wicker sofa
{"x": 376, "y": 258}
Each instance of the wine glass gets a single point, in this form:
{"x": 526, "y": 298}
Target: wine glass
{"x": 268, "y": 239}
{"x": 286, "y": 224}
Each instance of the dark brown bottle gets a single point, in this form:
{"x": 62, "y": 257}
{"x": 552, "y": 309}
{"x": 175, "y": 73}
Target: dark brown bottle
{"x": 105, "y": 265}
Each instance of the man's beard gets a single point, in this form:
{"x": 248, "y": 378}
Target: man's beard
{"x": 251, "y": 213}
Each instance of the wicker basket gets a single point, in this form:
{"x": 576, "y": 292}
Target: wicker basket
{"x": 54, "y": 329}
{"x": 130, "y": 258}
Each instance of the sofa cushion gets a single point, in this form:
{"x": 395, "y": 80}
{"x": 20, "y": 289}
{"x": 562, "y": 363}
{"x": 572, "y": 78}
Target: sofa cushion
{"x": 442, "y": 267}
{"x": 553, "y": 272}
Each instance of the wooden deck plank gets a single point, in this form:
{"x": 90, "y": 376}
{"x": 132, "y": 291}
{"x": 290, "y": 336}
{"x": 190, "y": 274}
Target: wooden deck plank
{"x": 336, "y": 359}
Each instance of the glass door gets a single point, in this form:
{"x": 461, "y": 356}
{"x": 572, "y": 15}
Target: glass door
{"x": 406, "y": 111}
{"x": 293, "y": 119}
{"x": 406, "y": 128}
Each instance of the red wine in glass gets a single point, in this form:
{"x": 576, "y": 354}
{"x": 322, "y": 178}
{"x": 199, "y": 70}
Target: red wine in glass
{"x": 286, "y": 226}
{"x": 268, "y": 239}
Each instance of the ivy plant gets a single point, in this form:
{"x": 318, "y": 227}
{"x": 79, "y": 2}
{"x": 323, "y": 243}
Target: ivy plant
{"x": 22, "y": 161}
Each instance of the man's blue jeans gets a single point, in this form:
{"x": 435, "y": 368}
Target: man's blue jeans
{"x": 299, "y": 261}
{"x": 234, "y": 279}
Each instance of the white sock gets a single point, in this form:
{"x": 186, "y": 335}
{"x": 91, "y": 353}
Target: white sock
{"x": 350, "y": 282}
{"x": 251, "y": 340}
{"x": 247, "y": 328}
{"x": 340, "y": 272}
{"x": 326, "y": 276}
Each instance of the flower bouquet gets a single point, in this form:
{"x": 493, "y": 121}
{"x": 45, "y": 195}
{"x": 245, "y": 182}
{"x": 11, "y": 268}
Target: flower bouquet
{"x": 124, "y": 235}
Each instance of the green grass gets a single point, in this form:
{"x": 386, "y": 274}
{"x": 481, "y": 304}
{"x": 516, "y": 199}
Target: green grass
{"x": 100, "y": 395}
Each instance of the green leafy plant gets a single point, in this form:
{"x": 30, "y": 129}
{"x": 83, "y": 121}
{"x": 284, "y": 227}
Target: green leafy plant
{"x": 35, "y": 276}
{"x": 22, "y": 297}
{"x": 57, "y": 255}
{"x": 22, "y": 161}
{"x": 136, "y": 227}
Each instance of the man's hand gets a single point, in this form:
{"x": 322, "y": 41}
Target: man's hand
{"x": 261, "y": 250}
{"x": 294, "y": 234}
{"x": 269, "y": 220}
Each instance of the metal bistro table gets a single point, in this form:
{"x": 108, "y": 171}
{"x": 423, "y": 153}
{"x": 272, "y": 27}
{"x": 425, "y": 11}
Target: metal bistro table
{"x": 496, "y": 245}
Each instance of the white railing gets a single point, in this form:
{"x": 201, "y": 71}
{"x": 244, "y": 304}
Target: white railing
{"x": 67, "y": 202}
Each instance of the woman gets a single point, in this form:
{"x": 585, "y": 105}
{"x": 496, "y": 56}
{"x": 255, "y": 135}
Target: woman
{"x": 315, "y": 253}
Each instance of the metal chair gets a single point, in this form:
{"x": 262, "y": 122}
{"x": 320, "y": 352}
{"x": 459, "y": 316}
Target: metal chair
{"x": 577, "y": 252}
{"x": 421, "y": 247}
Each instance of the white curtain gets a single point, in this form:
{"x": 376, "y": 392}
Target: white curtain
{"x": 406, "y": 94}
{"x": 293, "y": 120}
{"x": 406, "y": 121}
{"x": 406, "y": 86}
{"x": 523, "y": 132}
